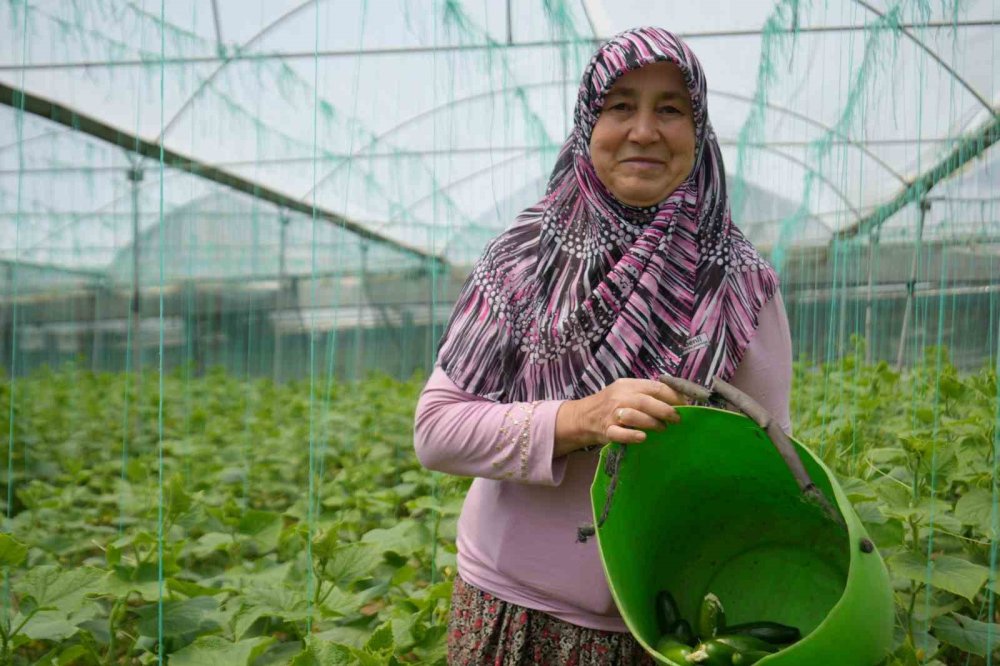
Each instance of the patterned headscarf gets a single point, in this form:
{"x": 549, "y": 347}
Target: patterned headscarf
{"x": 584, "y": 289}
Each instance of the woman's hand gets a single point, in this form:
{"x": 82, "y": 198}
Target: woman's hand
{"x": 617, "y": 413}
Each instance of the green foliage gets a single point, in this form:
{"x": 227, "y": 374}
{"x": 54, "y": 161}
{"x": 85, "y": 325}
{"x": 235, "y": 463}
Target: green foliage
{"x": 231, "y": 580}
{"x": 916, "y": 454}
{"x": 82, "y": 545}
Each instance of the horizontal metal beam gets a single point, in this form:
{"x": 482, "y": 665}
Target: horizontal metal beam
{"x": 968, "y": 148}
{"x": 328, "y": 157}
{"x": 63, "y": 115}
{"x": 882, "y": 292}
{"x": 55, "y": 268}
{"x": 457, "y": 48}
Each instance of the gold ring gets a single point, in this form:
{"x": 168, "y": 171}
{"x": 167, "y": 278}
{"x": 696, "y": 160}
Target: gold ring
{"x": 620, "y": 415}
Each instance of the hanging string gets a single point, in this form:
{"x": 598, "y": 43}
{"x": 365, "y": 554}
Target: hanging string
{"x": 311, "y": 583}
{"x": 994, "y": 349}
{"x": 14, "y": 330}
{"x": 160, "y": 536}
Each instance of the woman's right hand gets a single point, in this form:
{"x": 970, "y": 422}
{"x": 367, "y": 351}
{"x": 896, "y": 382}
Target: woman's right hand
{"x": 617, "y": 413}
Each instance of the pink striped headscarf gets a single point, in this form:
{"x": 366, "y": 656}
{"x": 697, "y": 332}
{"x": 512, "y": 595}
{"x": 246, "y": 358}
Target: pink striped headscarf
{"x": 584, "y": 289}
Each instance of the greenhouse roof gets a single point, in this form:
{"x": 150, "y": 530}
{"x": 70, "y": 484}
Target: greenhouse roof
{"x": 418, "y": 129}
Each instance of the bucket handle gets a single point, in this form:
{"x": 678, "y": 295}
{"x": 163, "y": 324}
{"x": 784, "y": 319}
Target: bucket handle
{"x": 752, "y": 409}
{"x": 723, "y": 390}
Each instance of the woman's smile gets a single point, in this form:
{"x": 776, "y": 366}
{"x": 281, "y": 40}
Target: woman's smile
{"x": 643, "y": 160}
{"x": 643, "y": 164}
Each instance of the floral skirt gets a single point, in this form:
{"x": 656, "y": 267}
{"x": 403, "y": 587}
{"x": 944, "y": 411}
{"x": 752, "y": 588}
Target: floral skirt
{"x": 484, "y": 630}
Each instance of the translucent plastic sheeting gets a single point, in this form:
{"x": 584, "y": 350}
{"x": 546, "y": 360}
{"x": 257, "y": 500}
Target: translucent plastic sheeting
{"x": 231, "y": 234}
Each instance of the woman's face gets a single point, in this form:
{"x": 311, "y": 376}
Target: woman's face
{"x": 643, "y": 143}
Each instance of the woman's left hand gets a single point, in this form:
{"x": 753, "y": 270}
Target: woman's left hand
{"x": 619, "y": 412}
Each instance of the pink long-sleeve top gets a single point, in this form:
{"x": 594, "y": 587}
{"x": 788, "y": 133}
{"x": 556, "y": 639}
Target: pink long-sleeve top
{"x": 517, "y": 529}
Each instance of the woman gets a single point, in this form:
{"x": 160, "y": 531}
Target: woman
{"x": 629, "y": 268}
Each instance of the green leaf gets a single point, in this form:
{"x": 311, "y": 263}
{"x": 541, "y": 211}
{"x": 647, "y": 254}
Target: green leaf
{"x": 403, "y": 538}
{"x": 976, "y": 508}
{"x": 922, "y": 639}
{"x": 217, "y": 651}
{"x": 858, "y": 490}
{"x": 887, "y": 456}
{"x": 179, "y": 617}
{"x": 245, "y": 618}
{"x": 351, "y": 562}
{"x": 208, "y": 543}
{"x": 888, "y": 535}
{"x": 325, "y": 653}
{"x": 263, "y": 526}
{"x": 71, "y": 655}
{"x": 66, "y": 591}
{"x": 948, "y": 572}
{"x": 325, "y": 542}
{"x": 340, "y": 603}
{"x": 381, "y": 641}
{"x": 119, "y": 583}
{"x": 191, "y": 589}
{"x": 58, "y": 624}
{"x": 940, "y": 604}
{"x": 289, "y": 604}
{"x": 966, "y": 634}
{"x": 12, "y": 551}
{"x": 929, "y": 512}
{"x": 178, "y": 500}
{"x": 870, "y": 513}
{"x": 49, "y": 625}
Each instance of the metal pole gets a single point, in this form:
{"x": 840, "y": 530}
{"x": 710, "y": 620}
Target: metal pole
{"x": 872, "y": 247}
{"x": 359, "y": 338}
{"x": 280, "y": 301}
{"x": 510, "y": 26}
{"x": 914, "y": 264}
{"x": 842, "y": 315}
{"x": 9, "y": 281}
{"x": 135, "y": 177}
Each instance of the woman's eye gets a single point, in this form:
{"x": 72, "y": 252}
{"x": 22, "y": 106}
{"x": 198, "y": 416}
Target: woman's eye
{"x": 620, "y": 106}
{"x": 669, "y": 110}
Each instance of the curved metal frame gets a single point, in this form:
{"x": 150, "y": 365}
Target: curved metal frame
{"x": 211, "y": 77}
{"x": 526, "y": 154}
{"x": 361, "y": 152}
{"x": 965, "y": 84}
{"x": 868, "y": 7}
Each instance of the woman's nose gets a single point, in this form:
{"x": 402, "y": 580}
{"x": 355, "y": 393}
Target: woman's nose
{"x": 643, "y": 130}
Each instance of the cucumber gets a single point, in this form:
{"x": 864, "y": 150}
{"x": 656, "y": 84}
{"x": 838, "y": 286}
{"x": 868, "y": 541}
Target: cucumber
{"x": 712, "y": 653}
{"x": 711, "y": 617}
{"x": 748, "y": 658}
{"x": 667, "y": 614}
{"x": 746, "y": 643}
{"x": 772, "y": 632}
{"x": 683, "y": 632}
{"x": 673, "y": 650}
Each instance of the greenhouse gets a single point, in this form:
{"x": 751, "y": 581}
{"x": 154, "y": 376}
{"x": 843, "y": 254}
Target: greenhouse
{"x": 233, "y": 233}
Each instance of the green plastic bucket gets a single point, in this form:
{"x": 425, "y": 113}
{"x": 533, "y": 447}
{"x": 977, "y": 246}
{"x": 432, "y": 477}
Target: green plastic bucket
{"x": 710, "y": 506}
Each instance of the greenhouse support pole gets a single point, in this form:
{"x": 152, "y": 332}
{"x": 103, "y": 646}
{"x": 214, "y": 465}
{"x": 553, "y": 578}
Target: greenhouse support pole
{"x": 135, "y": 177}
{"x": 842, "y": 314}
{"x": 8, "y": 280}
{"x": 968, "y": 149}
{"x": 359, "y": 337}
{"x": 872, "y": 248}
{"x": 280, "y": 305}
{"x": 911, "y": 284}
{"x": 95, "y": 338}
{"x": 510, "y": 25}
